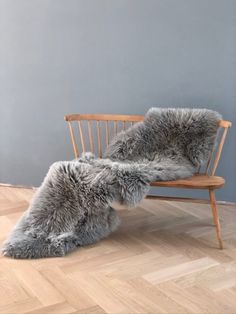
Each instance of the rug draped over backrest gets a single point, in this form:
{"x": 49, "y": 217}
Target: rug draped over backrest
{"x": 72, "y": 207}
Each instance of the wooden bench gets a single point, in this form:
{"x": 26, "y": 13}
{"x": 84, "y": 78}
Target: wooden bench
{"x": 96, "y": 130}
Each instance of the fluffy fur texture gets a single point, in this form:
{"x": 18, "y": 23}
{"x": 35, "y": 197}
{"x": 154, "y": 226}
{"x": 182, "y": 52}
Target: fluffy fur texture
{"x": 72, "y": 207}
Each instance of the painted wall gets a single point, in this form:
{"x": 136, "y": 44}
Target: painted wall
{"x": 102, "y": 56}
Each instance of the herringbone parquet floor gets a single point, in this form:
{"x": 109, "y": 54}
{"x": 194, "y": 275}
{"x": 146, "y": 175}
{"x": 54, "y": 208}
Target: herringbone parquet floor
{"x": 163, "y": 259}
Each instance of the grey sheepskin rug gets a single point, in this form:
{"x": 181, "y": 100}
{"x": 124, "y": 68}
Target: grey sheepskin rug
{"x": 73, "y": 206}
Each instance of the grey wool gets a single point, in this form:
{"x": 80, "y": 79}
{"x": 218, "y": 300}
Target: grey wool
{"x": 73, "y": 206}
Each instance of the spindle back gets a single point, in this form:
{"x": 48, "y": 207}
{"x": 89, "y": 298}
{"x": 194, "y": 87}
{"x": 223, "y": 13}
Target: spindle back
{"x": 95, "y": 132}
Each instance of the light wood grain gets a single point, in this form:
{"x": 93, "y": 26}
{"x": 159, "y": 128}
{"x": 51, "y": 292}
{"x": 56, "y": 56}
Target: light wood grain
{"x": 81, "y": 137}
{"x": 91, "y": 142}
{"x": 196, "y": 182}
{"x": 99, "y": 139}
{"x": 103, "y": 117}
{"x": 72, "y": 134}
{"x": 219, "y": 151}
{"x": 162, "y": 259}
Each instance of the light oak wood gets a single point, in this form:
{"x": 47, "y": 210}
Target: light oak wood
{"x": 123, "y": 125}
{"x": 75, "y": 146}
{"x": 104, "y": 117}
{"x": 219, "y": 151}
{"x": 225, "y": 124}
{"x": 99, "y": 139}
{"x": 208, "y": 163}
{"x": 115, "y": 128}
{"x": 216, "y": 217}
{"x": 162, "y": 259}
{"x": 198, "y": 181}
{"x": 107, "y": 133}
{"x": 81, "y": 136}
{"x": 90, "y": 136}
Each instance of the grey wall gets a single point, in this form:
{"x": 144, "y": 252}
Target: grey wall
{"x": 103, "y": 56}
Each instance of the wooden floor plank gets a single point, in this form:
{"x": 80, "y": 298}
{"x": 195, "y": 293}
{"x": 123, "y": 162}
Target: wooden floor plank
{"x": 180, "y": 270}
{"x": 164, "y": 258}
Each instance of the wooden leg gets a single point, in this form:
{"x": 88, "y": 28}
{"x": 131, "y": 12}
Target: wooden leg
{"x": 216, "y": 217}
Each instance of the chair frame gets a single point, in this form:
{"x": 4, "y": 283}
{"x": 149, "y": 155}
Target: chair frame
{"x": 207, "y": 179}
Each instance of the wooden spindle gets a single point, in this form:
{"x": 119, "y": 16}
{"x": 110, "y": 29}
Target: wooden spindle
{"x": 115, "y": 127}
{"x": 123, "y": 125}
{"x": 219, "y": 151}
{"x": 107, "y": 133}
{"x": 99, "y": 140}
{"x": 209, "y": 160}
{"x": 81, "y": 137}
{"x": 210, "y": 156}
{"x": 74, "y": 144}
{"x": 90, "y": 136}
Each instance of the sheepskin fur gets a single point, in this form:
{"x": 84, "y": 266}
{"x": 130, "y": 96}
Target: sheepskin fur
{"x": 72, "y": 207}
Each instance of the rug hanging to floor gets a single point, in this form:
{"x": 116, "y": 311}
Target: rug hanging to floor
{"x": 73, "y": 206}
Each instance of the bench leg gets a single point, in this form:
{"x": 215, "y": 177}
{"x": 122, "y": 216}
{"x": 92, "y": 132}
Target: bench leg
{"x": 216, "y": 217}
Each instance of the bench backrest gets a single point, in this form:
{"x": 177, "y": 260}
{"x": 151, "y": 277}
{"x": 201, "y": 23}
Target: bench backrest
{"x": 96, "y": 130}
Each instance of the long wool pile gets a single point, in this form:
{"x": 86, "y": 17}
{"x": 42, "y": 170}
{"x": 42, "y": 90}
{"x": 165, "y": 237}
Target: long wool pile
{"x": 72, "y": 207}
